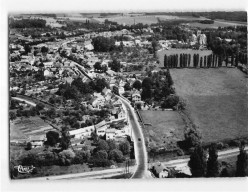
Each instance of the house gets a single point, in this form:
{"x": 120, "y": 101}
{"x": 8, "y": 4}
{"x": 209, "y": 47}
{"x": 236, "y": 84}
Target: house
{"x": 110, "y": 133}
{"x": 136, "y": 97}
{"x": 101, "y": 128}
{"x": 98, "y": 102}
{"x": 89, "y": 46}
{"x": 37, "y": 140}
{"x": 110, "y": 73}
{"x": 47, "y": 73}
{"x": 160, "y": 171}
{"x": 82, "y": 132}
{"x": 106, "y": 91}
{"x": 48, "y": 64}
{"x": 121, "y": 113}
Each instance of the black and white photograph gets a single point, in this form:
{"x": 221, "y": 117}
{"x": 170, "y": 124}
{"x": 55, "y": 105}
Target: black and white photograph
{"x": 153, "y": 91}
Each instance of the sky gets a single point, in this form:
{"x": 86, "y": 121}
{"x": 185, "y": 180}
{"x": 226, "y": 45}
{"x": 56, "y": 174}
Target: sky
{"x": 121, "y": 5}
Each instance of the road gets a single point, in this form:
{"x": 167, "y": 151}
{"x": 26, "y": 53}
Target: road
{"x": 182, "y": 164}
{"x": 86, "y": 175}
{"x": 139, "y": 146}
{"x": 27, "y": 102}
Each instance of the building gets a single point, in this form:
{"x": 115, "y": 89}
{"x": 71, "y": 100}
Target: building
{"x": 160, "y": 171}
{"x": 110, "y": 133}
{"x": 101, "y": 128}
{"x": 136, "y": 97}
{"x": 82, "y": 132}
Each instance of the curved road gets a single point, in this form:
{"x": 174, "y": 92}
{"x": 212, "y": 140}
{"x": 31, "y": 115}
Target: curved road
{"x": 139, "y": 144}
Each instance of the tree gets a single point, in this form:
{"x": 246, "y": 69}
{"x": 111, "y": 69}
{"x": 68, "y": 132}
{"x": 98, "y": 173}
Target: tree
{"x": 98, "y": 66}
{"x": 197, "y": 162}
{"x": 39, "y": 106}
{"x": 125, "y": 147}
{"x": 137, "y": 84}
{"x": 241, "y": 164}
{"x": 12, "y": 115}
{"x": 102, "y": 145}
{"x": 52, "y": 138}
{"x": 65, "y": 139}
{"x": 44, "y": 49}
{"x": 29, "y": 146}
{"x": 127, "y": 86}
{"x": 116, "y": 155}
{"x": 147, "y": 82}
{"x": 165, "y": 61}
{"x": 213, "y": 166}
{"x": 81, "y": 157}
{"x": 146, "y": 93}
{"x": 154, "y": 46}
{"x": 101, "y": 154}
{"x": 51, "y": 113}
{"x": 201, "y": 62}
{"x": 66, "y": 157}
{"x": 169, "y": 78}
{"x": 103, "y": 44}
{"x": 112, "y": 144}
{"x": 115, "y": 65}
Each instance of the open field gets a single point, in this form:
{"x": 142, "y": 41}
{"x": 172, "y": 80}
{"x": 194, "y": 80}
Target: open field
{"x": 161, "y": 54}
{"x": 216, "y": 101}
{"x": 167, "y": 127}
{"x": 216, "y": 24}
{"x": 128, "y": 20}
{"x": 21, "y": 129}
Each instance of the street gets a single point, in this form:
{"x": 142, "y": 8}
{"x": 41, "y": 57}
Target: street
{"x": 139, "y": 146}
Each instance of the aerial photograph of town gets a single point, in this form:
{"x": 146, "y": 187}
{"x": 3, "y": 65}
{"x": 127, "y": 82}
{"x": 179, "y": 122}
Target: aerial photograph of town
{"x": 127, "y": 95}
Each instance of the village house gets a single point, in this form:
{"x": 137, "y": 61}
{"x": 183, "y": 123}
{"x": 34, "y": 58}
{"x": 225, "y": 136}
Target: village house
{"x": 101, "y": 128}
{"x": 136, "y": 97}
{"x": 160, "y": 171}
{"x": 82, "y": 132}
{"x": 110, "y": 133}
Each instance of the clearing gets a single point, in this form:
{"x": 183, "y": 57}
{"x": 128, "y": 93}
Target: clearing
{"x": 216, "y": 101}
{"x": 165, "y": 128}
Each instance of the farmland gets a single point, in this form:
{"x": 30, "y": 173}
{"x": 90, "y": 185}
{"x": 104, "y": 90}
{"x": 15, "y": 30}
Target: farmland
{"x": 128, "y": 20}
{"x": 213, "y": 97}
{"x": 22, "y": 128}
{"x": 167, "y": 127}
{"x": 216, "y": 24}
{"x": 161, "y": 54}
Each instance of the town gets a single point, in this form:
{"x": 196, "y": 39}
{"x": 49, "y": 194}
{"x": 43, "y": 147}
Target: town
{"x": 137, "y": 95}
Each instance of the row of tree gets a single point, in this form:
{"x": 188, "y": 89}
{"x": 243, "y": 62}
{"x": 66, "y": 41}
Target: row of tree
{"x": 206, "y": 61}
{"x": 201, "y": 166}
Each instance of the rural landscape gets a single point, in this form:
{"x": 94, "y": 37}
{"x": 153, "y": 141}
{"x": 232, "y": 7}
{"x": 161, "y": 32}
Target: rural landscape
{"x": 133, "y": 95}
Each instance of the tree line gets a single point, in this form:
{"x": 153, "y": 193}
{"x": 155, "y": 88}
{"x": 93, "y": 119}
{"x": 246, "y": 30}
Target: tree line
{"x": 207, "y": 61}
{"x": 201, "y": 166}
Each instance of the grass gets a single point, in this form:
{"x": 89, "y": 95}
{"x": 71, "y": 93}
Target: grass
{"x": 216, "y": 101}
{"x": 166, "y": 128}
{"x": 130, "y": 20}
{"x": 161, "y": 54}
{"x": 216, "y": 24}
{"x": 20, "y": 129}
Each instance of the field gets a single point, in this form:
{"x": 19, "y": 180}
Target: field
{"x": 216, "y": 24}
{"x": 21, "y": 129}
{"x": 161, "y": 54}
{"x": 216, "y": 101}
{"x": 167, "y": 127}
{"x": 128, "y": 20}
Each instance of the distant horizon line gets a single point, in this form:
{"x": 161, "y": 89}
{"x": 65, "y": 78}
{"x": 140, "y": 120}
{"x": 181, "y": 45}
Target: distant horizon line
{"x": 125, "y": 11}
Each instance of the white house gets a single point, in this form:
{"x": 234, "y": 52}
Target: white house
{"x": 110, "y": 133}
{"x": 136, "y": 97}
{"x": 101, "y": 128}
{"x": 82, "y": 132}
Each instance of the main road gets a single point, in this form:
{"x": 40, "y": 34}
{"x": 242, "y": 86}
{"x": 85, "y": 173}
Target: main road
{"x": 139, "y": 143}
